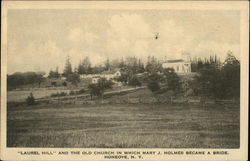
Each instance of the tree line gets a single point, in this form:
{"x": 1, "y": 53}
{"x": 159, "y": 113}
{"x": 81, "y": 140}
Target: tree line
{"x": 215, "y": 78}
{"x": 18, "y": 79}
{"x": 219, "y": 80}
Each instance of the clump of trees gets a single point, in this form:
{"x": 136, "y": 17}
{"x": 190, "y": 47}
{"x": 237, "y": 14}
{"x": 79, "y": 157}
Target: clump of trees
{"x": 134, "y": 81}
{"x": 74, "y": 78}
{"x": 132, "y": 66}
{"x": 58, "y": 94}
{"x": 171, "y": 79}
{"x": 98, "y": 88}
{"x": 153, "y": 65}
{"x": 215, "y": 79}
{"x": 54, "y": 74}
{"x": 219, "y": 80}
{"x": 18, "y": 79}
{"x": 165, "y": 81}
{"x": 198, "y": 64}
{"x": 84, "y": 66}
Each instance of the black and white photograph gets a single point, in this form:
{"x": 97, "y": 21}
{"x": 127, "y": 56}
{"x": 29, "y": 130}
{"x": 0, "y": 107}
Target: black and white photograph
{"x": 124, "y": 78}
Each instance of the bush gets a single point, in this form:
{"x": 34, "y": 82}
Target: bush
{"x": 30, "y": 99}
{"x": 153, "y": 86}
{"x": 81, "y": 91}
{"x": 58, "y": 94}
{"x": 134, "y": 81}
{"x": 72, "y": 93}
{"x": 64, "y": 84}
{"x": 63, "y": 94}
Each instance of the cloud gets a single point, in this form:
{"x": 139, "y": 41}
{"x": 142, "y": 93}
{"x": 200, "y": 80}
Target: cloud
{"x": 132, "y": 35}
{"x": 206, "y": 48}
{"x": 128, "y": 26}
{"x": 79, "y": 36}
{"x": 173, "y": 40}
{"x": 35, "y": 57}
{"x": 121, "y": 34}
{"x": 77, "y": 55}
{"x": 128, "y": 34}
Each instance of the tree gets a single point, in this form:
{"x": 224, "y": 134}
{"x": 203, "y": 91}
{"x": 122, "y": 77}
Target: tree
{"x": 134, "y": 81}
{"x": 97, "y": 69}
{"x": 30, "y": 99}
{"x": 54, "y": 74}
{"x": 94, "y": 90}
{"x": 140, "y": 68}
{"x": 99, "y": 88}
{"x": 85, "y": 66}
{"x": 125, "y": 76}
{"x": 153, "y": 82}
{"x": 153, "y": 65}
{"x": 153, "y": 86}
{"x": 18, "y": 79}
{"x": 74, "y": 78}
{"x": 230, "y": 72}
{"x": 107, "y": 64}
{"x": 68, "y": 68}
{"x": 208, "y": 80}
{"x": 198, "y": 64}
{"x": 172, "y": 79}
{"x": 220, "y": 82}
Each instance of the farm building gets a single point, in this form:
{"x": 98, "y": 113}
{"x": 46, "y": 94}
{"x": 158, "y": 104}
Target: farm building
{"x": 179, "y": 65}
{"x": 110, "y": 74}
{"x": 84, "y": 76}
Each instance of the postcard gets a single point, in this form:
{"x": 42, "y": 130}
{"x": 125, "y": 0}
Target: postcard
{"x": 124, "y": 80}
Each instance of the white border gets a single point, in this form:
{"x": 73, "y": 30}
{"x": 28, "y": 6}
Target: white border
{"x": 234, "y": 154}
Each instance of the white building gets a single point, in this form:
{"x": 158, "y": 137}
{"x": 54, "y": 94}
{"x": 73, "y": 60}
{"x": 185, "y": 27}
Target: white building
{"x": 179, "y": 65}
{"x": 110, "y": 74}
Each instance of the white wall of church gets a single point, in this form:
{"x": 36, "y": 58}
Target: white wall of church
{"x": 179, "y": 67}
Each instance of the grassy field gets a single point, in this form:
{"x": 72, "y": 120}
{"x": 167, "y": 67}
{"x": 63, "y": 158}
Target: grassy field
{"x": 20, "y": 96}
{"x": 123, "y": 126}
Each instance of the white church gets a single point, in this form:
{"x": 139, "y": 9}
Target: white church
{"x": 180, "y": 66}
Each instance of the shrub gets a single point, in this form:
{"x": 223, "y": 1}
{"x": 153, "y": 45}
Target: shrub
{"x": 63, "y": 94}
{"x": 134, "y": 81}
{"x": 64, "y": 84}
{"x": 30, "y": 99}
{"x": 58, "y": 94}
{"x": 81, "y": 91}
{"x": 72, "y": 93}
{"x": 153, "y": 86}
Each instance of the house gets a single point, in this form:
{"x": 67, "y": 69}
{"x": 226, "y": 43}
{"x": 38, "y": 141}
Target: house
{"x": 84, "y": 76}
{"x": 111, "y": 74}
{"x": 180, "y": 66}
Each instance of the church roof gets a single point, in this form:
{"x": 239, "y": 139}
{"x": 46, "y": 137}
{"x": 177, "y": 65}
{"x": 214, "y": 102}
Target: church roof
{"x": 111, "y": 71}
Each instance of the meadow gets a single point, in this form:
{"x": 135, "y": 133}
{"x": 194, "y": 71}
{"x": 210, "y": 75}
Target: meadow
{"x": 21, "y": 95}
{"x": 123, "y": 126}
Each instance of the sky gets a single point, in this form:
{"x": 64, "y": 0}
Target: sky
{"x": 40, "y": 40}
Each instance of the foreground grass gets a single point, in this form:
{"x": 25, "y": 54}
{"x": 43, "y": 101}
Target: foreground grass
{"x": 124, "y": 126}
